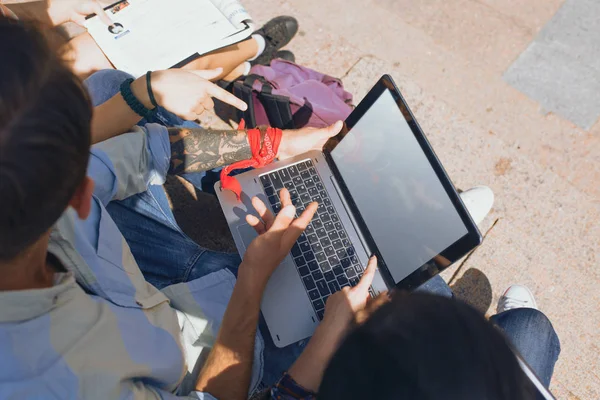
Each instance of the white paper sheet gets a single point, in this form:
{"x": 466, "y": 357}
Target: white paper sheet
{"x": 157, "y": 34}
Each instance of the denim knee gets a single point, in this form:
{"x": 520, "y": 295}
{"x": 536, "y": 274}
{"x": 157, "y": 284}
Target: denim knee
{"x": 104, "y": 84}
{"x": 520, "y": 320}
{"x": 436, "y": 286}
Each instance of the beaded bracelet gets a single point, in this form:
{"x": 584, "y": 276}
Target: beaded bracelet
{"x": 133, "y": 102}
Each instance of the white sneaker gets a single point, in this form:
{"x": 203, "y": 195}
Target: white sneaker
{"x": 479, "y": 201}
{"x": 516, "y": 296}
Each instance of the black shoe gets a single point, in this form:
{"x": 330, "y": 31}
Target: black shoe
{"x": 277, "y": 33}
{"x": 285, "y": 55}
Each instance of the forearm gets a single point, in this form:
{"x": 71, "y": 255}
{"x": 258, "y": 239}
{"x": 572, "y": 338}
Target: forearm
{"x": 227, "y": 371}
{"x": 197, "y": 150}
{"x": 114, "y": 117}
{"x": 308, "y": 369}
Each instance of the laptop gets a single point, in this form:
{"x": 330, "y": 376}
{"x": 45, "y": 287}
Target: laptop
{"x": 381, "y": 190}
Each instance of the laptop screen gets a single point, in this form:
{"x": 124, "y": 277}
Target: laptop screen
{"x": 396, "y": 190}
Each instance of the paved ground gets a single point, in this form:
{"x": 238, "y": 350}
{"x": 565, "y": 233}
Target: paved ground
{"x": 449, "y": 57}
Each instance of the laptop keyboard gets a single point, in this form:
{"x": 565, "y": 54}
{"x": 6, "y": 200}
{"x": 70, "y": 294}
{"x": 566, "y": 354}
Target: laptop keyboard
{"x": 324, "y": 256}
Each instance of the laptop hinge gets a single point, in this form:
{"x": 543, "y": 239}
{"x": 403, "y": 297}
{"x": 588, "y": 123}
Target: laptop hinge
{"x": 351, "y": 216}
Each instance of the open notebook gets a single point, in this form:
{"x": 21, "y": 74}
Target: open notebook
{"x": 149, "y": 35}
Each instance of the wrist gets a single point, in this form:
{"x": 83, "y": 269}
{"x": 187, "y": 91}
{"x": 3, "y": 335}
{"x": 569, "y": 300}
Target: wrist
{"x": 281, "y": 150}
{"x": 251, "y": 284}
{"x": 309, "y": 368}
{"x": 140, "y": 91}
{"x": 330, "y": 334}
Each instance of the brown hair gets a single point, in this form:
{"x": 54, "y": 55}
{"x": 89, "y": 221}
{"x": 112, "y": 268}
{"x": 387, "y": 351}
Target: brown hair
{"x": 45, "y": 117}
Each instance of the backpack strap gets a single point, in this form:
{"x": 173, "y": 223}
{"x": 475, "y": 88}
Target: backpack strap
{"x": 258, "y": 83}
{"x": 277, "y": 107}
{"x": 244, "y": 93}
{"x": 278, "y": 110}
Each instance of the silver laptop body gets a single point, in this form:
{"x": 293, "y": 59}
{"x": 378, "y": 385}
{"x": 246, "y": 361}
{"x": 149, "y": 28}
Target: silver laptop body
{"x": 286, "y": 306}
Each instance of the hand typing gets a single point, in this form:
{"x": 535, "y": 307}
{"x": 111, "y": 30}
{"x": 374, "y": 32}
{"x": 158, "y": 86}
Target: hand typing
{"x": 345, "y": 307}
{"x": 276, "y": 237}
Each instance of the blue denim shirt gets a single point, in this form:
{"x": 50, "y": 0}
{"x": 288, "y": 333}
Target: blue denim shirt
{"x": 102, "y": 331}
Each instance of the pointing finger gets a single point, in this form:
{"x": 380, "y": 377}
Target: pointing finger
{"x": 93, "y": 7}
{"x": 299, "y": 225}
{"x": 285, "y": 197}
{"x": 226, "y": 97}
{"x": 367, "y": 278}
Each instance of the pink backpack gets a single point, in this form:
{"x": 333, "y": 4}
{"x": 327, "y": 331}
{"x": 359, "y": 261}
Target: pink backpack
{"x": 288, "y": 96}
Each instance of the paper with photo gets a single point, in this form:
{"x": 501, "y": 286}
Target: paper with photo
{"x": 158, "y": 34}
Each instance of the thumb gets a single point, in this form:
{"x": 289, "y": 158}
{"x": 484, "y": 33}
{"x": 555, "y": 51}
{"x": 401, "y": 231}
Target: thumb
{"x": 334, "y": 129}
{"x": 208, "y": 74}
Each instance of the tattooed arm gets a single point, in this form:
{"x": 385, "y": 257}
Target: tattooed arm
{"x": 197, "y": 150}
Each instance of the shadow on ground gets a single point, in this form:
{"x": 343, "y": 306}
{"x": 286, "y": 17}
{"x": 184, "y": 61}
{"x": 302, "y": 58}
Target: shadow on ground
{"x": 474, "y": 288}
{"x": 199, "y": 215}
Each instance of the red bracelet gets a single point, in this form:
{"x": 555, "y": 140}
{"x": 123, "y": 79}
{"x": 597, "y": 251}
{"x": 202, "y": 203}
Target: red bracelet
{"x": 260, "y": 156}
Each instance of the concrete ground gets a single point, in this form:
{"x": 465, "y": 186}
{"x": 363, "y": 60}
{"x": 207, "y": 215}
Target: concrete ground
{"x": 449, "y": 58}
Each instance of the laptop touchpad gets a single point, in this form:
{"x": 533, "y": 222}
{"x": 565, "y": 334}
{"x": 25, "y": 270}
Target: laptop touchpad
{"x": 247, "y": 233}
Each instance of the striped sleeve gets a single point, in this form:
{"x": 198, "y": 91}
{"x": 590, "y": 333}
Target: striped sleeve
{"x": 126, "y": 164}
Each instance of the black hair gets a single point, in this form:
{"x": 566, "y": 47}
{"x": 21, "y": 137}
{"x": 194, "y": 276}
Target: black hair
{"x": 45, "y": 117}
{"x": 425, "y": 347}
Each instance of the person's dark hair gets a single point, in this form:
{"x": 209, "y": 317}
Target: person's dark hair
{"x": 45, "y": 117}
{"x": 425, "y": 347}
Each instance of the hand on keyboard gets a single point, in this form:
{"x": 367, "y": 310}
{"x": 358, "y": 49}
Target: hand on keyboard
{"x": 342, "y": 307}
{"x": 324, "y": 255}
{"x": 277, "y": 235}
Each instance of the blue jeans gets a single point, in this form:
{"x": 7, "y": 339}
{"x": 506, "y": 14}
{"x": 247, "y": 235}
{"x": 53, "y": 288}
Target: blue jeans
{"x": 533, "y": 336}
{"x": 166, "y": 255}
